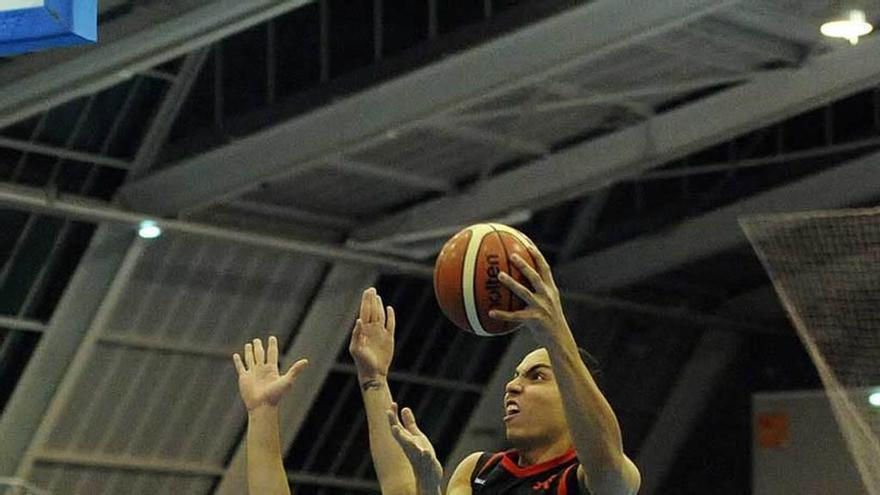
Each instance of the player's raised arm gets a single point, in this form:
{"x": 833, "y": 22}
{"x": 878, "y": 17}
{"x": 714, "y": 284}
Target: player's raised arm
{"x": 372, "y": 348}
{"x": 262, "y": 387}
{"x": 594, "y": 430}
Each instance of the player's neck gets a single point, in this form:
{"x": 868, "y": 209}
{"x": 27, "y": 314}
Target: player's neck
{"x": 537, "y": 454}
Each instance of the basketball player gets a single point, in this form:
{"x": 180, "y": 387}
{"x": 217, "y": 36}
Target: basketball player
{"x": 261, "y": 387}
{"x": 565, "y": 436}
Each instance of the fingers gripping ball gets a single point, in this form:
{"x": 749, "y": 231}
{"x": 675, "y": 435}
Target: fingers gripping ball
{"x": 466, "y": 276}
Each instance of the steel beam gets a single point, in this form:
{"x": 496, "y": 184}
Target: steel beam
{"x": 63, "y": 153}
{"x": 400, "y": 177}
{"x": 855, "y": 181}
{"x": 292, "y": 214}
{"x": 783, "y": 25}
{"x": 23, "y": 324}
{"x": 583, "y": 224}
{"x": 69, "y": 206}
{"x": 166, "y": 115}
{"x": 860, "y": 145}
{"x": 482, "y": 136}
{"x": 682, "y": 48}
{"x": 414, "y": 378}
{"x": 768, "y": 98}
{"x": 166, "y": 347}
{"x": 514, "y": 61}
{"x": 66, "y": 330}
{"x": 127, "y": 463}
{"x": 159, "y": 75}
{"x": 750, "y": 41}
{"x": 77, "y": 348}
{"x": 577, "y": 97}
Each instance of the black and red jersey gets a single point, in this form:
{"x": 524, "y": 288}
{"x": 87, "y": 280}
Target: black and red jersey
{"x": 500, "y": 474}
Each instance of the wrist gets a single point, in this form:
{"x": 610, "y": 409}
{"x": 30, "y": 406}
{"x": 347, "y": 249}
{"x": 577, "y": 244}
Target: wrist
{"x": 371, "y": 375}
{"x": 372, "y": 382}
{"x": 263, "y": 411}
{"x": 555, "y": 333}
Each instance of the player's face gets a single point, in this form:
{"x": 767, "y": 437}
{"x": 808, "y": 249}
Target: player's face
{"x": 533, "y": 413}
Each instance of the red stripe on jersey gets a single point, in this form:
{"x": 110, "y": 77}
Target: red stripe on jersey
{"x": 521, "y": 472}
{"x": 562, "y": 489}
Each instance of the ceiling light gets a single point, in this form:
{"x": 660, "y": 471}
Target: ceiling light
{"x": 850, "y": 27}
{"x": 149, "y": 230}
{"x": 874, "y": 399}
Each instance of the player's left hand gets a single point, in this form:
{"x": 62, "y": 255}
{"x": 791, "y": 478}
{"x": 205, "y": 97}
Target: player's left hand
{"x": 417, "y": 448}
{"x": 543, "y": 311}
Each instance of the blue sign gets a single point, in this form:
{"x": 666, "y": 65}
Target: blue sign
{"x": 30, "y": 25}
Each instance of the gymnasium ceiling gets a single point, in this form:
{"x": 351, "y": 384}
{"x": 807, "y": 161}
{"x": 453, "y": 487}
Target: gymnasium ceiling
{"x": 297, "y": 152}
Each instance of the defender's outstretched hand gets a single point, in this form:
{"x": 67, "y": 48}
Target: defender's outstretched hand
{"x": 417, "y": 448}
{"x": 372, "y": 339}
{"x": 259, "y": 380}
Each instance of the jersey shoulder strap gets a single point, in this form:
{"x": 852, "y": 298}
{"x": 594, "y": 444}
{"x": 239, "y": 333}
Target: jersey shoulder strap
{"x": 485, "y": 463}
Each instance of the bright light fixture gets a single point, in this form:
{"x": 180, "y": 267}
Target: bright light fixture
{"x": 874, "y": 399}
{"x": 851, "y": 27}
{"x": 149, "y": 230}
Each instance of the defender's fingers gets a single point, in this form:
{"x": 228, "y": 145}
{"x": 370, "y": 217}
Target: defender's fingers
{"x": 391, "y": 321}
{"x": 239, "y": 366}
{"x": 295, "y": 369}
{"x": 272, "y": 351}
{"x": 393, "y": 419}
{"x": 379, "y": 310}
{"x": 366, "y": 305}
{"x": 259, "y": 352}
{"x": 409, "y": 421}
{"x": 404, "y": 439}
{"x": 249, "y": 355}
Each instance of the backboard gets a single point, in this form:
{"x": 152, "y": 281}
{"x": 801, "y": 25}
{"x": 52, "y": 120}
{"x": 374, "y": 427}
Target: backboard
{"x": 31, "y": 25}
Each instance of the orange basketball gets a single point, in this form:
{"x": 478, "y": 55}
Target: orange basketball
{"x": 466, "y": 276}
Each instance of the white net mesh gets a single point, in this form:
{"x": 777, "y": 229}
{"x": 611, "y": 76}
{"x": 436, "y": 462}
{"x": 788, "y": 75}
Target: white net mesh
{"x": 825, "y": 267}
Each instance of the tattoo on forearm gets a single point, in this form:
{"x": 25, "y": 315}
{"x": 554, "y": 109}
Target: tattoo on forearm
{"x": 371, "y": 385}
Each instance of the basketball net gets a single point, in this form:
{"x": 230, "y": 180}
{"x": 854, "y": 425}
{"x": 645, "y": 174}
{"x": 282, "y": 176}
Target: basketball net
{"x": 825, "y": 267}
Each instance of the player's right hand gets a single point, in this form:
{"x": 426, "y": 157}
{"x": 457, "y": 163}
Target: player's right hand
{"x": 259, "y": 381}
{"x": 372, "y": 339}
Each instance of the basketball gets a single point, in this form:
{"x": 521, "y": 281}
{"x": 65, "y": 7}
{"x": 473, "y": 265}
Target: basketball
{"x": 466, "y": 276}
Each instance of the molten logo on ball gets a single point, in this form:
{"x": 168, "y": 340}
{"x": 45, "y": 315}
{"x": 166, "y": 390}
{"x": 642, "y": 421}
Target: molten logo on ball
{"x": 493, "y": 286}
